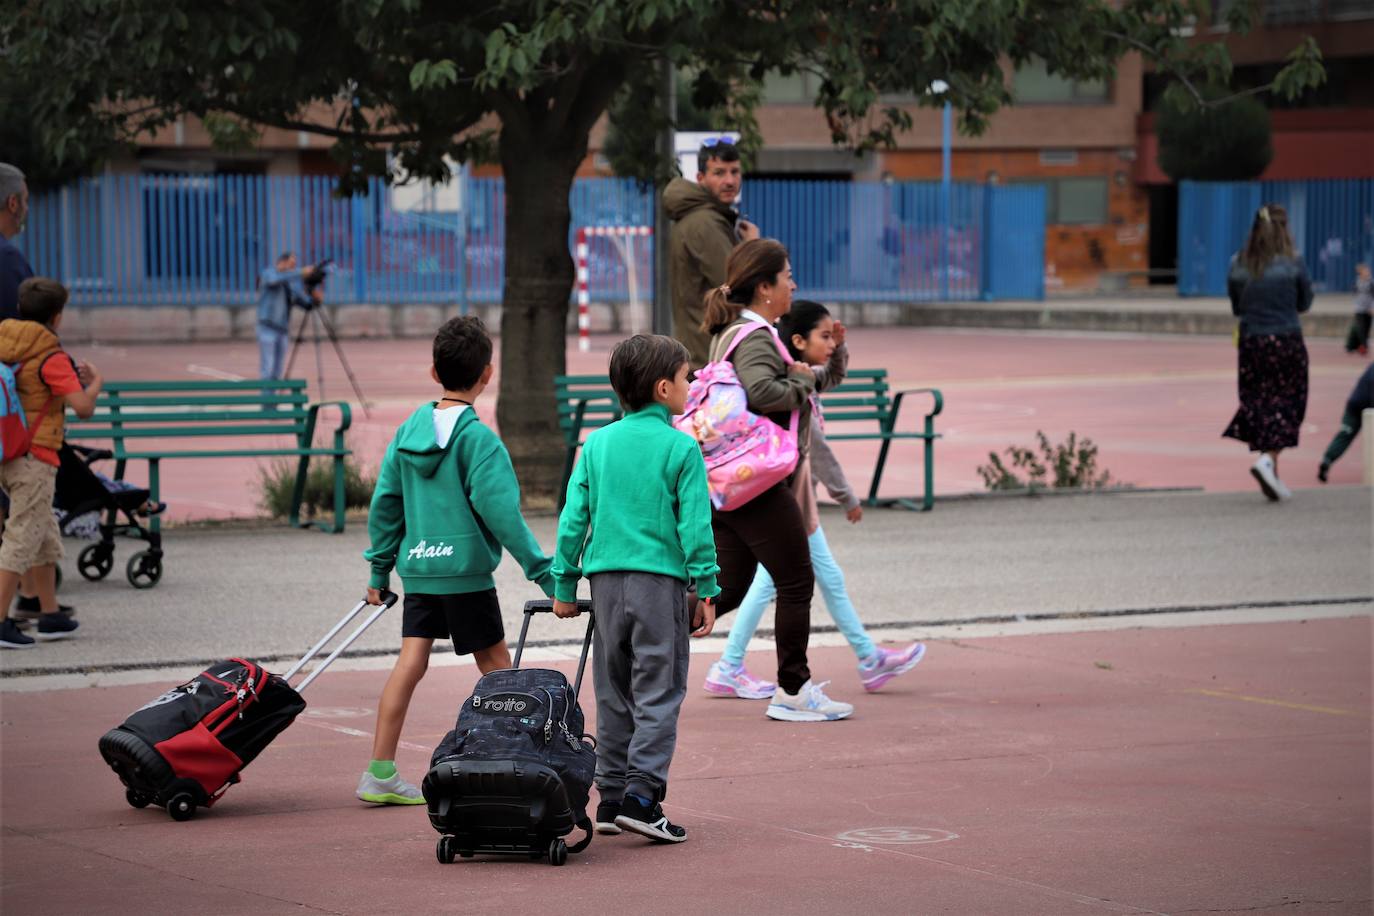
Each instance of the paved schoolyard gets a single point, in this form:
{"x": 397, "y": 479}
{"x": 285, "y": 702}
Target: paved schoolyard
{"x": 1154, "y": 770}
{"x": 1148, "y": 703}
{"x": 1155, "y": 406}
{"x": 1139, "y": 704}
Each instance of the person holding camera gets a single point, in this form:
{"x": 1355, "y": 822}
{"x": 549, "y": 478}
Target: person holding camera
{"x": 283, "y": 285}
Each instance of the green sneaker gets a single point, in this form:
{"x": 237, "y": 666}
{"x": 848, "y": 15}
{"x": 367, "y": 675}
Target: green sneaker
{"x": 393, "y": 791}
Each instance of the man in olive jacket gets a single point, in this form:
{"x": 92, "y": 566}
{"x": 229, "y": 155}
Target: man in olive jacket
{"x": 705, "y": 230}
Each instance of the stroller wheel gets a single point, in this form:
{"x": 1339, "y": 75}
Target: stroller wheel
{"x": 144, "y": 569}
{"x": 96, "y": 561}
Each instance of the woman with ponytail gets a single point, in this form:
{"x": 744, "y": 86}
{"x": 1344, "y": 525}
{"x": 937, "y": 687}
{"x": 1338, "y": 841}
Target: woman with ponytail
{"x": 769, "y": 530}
{"x": 1269, "y": 287}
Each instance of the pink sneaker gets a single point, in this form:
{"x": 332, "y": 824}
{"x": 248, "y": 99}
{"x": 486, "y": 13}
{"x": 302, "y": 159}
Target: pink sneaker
{"x": 885, "y": 664}
{"x": 734, "y": 681}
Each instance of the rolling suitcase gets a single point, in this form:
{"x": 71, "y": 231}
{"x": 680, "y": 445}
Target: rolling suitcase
{"x": 514, "y": 775}
{"x": 184, "y": 749}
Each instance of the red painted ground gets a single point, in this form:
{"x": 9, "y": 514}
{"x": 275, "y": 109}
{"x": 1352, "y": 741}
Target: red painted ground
{"x": 1155, "y": 406}
{"x": 1138, "y": 771}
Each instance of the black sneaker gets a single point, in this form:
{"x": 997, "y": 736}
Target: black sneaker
{"x": 11, "y": 638}
{"x": 56, "y": 626}
{"x": 1322, "y": 471}
{"x": 606, "y": 812}
{"x": 28, "y": 608}
{"x": 650, "y": 822}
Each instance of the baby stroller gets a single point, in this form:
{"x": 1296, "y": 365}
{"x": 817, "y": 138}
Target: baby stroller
{"x": 89, "y": 505}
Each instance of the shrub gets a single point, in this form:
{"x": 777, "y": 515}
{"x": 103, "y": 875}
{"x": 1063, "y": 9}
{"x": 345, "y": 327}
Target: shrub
{"x": 1073, "y": 464}
{"x": 279, "y": 480}
{"x": 1229, "y": 142}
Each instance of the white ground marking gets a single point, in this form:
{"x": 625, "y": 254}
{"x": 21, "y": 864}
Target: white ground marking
{"x": 212, "y": 372}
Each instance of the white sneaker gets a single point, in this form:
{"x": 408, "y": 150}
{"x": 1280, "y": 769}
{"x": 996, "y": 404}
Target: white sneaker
{"x": 393, "y": 791}
{"x": 1263, "y": 471}
{"x": 809, "y": 704}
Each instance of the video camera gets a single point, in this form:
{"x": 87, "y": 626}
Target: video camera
{"x": 311, "y": 281}
{"x": 317, "y": 275}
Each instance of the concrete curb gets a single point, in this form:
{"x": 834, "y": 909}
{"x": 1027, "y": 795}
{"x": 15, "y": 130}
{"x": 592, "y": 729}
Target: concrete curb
{"x": 163, "y": 324}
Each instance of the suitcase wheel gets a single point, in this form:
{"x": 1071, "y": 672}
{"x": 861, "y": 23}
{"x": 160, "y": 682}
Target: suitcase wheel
{"x": 558, "y": 852}
{"x": 182, "y": 807}
{"x": 444, "y": 850}
{"x": 137, "y": 799}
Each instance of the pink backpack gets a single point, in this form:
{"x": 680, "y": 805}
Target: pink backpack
{"x": 746, "y": 453}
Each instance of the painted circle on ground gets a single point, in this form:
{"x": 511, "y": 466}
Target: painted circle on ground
{"x": 336, "y": 712}
{"x": 895, "y": 836}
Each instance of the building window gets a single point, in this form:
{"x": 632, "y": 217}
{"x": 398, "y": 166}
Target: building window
{"x": 796, "y": 87}
{"x": 1073, "y": 201}
{"x": 1059, "y": 157}
{"x": 1033, "y": 84}
{"x": 1080, "y": 201}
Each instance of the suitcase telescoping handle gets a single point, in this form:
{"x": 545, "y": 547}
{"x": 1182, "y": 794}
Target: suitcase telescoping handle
{"x": 388, "y": 599}
{"x": 545, "y": 604}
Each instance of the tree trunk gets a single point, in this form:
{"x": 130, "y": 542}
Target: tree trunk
{"x": 539, "y": 172}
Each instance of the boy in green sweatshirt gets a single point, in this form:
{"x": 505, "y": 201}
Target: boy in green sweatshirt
{"x": 445, "y": 503}
{"x": 637, "y": 523}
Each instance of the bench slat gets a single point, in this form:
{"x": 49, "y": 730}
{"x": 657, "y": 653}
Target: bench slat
{"x": 236, "y": 453}
{"x": 178, "y": 432}
{"x": 208, "y": 416}
{"x": 208, "y": 385}
{"x": 835, "y": 437}
{"x": 226, "y": 400}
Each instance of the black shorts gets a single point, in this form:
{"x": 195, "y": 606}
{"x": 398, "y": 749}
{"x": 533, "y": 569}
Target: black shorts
{"x": 472, "y": 620}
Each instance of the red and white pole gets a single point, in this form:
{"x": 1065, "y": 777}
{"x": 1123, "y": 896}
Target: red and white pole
{"x": 584, "y": 301}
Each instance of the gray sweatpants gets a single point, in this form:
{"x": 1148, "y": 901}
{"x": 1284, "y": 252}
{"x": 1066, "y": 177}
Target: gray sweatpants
{"x": 640, "y": 671}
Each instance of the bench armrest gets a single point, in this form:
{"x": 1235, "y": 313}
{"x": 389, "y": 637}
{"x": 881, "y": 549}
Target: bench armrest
{"x": 579, "y": 411}
{"x": 345, "y": 414}
{"x": 935, "y": 394}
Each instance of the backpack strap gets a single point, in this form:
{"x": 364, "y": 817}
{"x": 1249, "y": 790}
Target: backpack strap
{"x": 747, "y": 329}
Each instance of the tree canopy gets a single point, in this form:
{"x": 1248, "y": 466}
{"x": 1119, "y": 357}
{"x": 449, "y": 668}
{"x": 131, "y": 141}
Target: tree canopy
{"x": 401, "y": 84}
{"x": 1231, "y": 142}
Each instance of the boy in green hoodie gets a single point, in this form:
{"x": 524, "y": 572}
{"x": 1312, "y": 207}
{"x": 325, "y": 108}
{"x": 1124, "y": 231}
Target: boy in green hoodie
{"x": 637, "y": 523}
{"x": 445, "y": 503}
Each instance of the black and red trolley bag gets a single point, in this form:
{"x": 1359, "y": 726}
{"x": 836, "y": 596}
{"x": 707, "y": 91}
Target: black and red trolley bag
{"x": 184, "y": 749}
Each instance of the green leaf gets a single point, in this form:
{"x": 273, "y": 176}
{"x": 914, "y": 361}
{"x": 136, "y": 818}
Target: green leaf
{"x": 418, "y": 74}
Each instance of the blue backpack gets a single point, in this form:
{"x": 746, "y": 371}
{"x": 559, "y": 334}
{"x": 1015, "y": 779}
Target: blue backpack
{"x": 16, "y": 435}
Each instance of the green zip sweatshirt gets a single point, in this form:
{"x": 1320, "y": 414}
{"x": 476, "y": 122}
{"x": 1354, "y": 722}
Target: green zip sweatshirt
{"x": 637, "y": 502}
{"x": 441, "y": 514}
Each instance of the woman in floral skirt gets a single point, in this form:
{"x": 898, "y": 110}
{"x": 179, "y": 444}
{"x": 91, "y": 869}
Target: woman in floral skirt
{"x": 1269, "y": 288}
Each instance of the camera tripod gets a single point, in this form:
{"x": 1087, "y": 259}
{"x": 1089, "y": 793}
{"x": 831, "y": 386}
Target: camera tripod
{"x": 316, "y": 320}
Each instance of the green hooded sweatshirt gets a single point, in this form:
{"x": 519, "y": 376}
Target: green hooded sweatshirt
{"x": 441, "y": 513}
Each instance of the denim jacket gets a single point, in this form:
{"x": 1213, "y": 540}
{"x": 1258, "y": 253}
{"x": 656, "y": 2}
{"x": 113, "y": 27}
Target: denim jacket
{"x": 1269, "y": 304}
{"x": 279, "y": 289}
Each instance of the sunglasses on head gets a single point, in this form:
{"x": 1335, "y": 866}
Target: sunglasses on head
{"x": 712, "y": 142}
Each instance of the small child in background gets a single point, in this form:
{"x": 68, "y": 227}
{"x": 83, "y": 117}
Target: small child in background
{"x": 812, "y": 336}
{"x": 1357, "y": 341}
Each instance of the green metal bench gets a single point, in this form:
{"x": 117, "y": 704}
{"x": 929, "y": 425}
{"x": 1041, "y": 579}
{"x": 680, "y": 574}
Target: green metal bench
{"x": 865, "y": 397}
{"x": 585, "y": 402}
{"x": 152, "y": 421}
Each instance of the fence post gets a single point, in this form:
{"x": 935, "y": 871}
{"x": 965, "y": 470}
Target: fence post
{"x": 985, "y": 235}
{"x": 359, "y": 249}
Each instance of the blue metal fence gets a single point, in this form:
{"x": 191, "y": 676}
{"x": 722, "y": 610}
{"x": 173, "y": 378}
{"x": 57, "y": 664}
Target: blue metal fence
{"x": 177, "y": 239}
{"x": 1332, "y": 224}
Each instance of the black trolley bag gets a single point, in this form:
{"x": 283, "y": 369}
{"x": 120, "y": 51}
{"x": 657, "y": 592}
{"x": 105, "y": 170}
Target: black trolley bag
{"x": 184, "y": 749}
{"x": 514, "y": 775}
